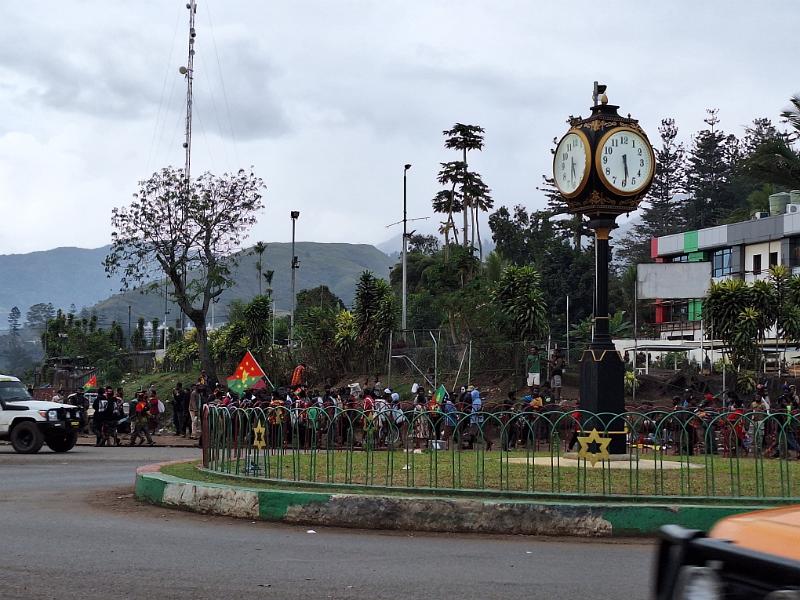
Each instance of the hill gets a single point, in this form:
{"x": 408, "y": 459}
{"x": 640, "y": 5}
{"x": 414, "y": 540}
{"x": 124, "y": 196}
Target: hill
{"x": 63, "y": 276}
{"x": 336, "y": 265}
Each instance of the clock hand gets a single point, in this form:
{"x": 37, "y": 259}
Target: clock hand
{"x": 572, "y": 168}
{"x": 625, "y": 164}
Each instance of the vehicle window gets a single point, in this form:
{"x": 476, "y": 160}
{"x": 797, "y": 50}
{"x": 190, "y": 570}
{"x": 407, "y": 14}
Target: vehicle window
{"x": 13, "y": 390}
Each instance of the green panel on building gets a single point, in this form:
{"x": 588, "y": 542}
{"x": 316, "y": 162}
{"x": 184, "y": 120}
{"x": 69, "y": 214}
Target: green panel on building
{"x": 696, "y": 256}
{"x": 695, "y": 310}
{"x": 690, "y": 241}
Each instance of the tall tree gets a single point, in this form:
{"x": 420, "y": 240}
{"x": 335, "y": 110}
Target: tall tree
{"x": 259, "y": 250}
{"x": 464, "y": 138}
{"x": 39, "y": 314}
{"x": 480, "y": 200}
{"x": 448, "y": 200}
{"x": 423, "y": 244}
{"x": 14, "y": 317}
{"x": 775, "y": 159}
{"x": 318, "y": 297}
{"x": 374, "y": 312}
{"x": 189, "y": 230}
{"x": 662, "y": 205}
{"x": 711, "y": 162}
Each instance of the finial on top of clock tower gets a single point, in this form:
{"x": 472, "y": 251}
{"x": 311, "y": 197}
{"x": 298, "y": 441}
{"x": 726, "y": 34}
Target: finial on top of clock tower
{"x": 603, "y": 99}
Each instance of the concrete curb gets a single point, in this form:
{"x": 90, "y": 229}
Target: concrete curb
{"x": 424, "y": 513}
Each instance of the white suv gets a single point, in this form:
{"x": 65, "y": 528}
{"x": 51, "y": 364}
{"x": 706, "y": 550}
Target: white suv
{"x": 29, "y": 423}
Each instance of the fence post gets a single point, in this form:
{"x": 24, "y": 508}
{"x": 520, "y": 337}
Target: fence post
{"x": 469, "y": 364}
{"x": 389, "y": 363}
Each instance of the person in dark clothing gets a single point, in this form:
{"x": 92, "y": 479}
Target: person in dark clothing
{"x": 100, "y": 407}
{"x": 179, "y": 401}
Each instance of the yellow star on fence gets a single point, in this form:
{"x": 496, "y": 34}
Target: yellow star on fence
{"x": 258, "y": 436}
{"x": 593, "y": 447}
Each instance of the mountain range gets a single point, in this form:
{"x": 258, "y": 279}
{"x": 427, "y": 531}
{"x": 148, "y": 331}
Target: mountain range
{"x": 75, "y": 276}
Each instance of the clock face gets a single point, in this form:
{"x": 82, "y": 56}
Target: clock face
{"x": 571, "y": 163}
{"x": 625, "y": 161}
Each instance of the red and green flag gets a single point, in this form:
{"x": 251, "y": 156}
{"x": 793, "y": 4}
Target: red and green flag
{"x": 437, "y": 398}
{"x": 439, "y": 394}
{"x": 247, "y": 374}
{"x": 91, "y": 384}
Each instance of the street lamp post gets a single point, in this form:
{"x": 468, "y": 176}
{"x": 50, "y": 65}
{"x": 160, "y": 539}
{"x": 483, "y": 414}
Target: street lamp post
{"x": 405, "y": 246}
{"x": 295, "y": 214}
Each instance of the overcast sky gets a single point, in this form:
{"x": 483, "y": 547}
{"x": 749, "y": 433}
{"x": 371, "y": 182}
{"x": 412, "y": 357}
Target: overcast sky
{"x": 328, "y": 99}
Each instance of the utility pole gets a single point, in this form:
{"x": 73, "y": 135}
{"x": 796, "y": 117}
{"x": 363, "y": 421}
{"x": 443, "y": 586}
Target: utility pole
{"x": 129, "y": 326}
{"x": 188, "y": 72}
{"x": 295, "y": 214}
{"x": 405, "y": 246}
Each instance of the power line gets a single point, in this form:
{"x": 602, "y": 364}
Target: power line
{"x": 222, "y": 81}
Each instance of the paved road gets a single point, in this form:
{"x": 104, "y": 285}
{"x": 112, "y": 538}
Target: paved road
{"x": 71, "y": 529}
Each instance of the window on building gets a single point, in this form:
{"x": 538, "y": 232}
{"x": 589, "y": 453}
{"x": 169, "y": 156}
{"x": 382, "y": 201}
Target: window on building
{"x": 794, "y": 252}
{"x": 680, "y": 258}
{"x": 721, "y": 262}
{"x": 756, "y": 264}
{"x": 679, "y": 311}
{"x": 773, "y": 259}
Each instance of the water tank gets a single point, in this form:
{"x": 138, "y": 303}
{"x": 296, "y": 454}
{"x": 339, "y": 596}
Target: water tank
{"x": 778, "y": 202}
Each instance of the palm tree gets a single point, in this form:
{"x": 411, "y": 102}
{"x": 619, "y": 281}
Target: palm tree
{"x": 449, "y": 201}
{"x": 268, "y": 275}
{"x": 792, "y": 115}
{"x": 464, "y": 137}
{"x": 259, "y": 249}
{"x": 480, "y": 200}
{"x": 444, "y": 228}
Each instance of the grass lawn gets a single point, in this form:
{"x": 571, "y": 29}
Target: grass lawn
{"x": 715, "y": 477}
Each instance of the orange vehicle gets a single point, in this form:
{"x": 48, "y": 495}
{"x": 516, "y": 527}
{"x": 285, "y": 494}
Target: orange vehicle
{"x": 751, "y": 556}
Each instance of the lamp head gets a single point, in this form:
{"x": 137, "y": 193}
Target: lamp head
{"x": 407, "y": 167}
{"x": 294, "y": 214}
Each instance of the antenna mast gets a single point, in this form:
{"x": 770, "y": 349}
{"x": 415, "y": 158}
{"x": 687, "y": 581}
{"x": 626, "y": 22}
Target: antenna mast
{"x": 188, "y": 72}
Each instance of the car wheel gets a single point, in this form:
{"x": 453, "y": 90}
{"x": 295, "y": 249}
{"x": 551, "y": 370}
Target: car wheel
{"x": 26, "y": 438}
{"x": 62, "y": 442}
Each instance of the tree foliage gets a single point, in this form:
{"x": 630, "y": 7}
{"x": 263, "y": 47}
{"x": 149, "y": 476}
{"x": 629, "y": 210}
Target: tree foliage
{"x": 518, "y": 295}
{"x": 188, "y": 230}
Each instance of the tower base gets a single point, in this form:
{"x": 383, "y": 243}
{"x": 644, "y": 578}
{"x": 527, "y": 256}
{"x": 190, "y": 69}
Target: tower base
{"x": 603, "y": 391}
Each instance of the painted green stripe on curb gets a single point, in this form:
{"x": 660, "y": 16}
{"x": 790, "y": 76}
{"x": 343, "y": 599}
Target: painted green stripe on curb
{"x": 640, "y": 520}
{"x": 150, "y": 488}
{"x": 273, "y": 504}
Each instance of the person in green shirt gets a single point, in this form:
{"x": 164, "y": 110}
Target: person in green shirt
{"x": 533, "y": 364}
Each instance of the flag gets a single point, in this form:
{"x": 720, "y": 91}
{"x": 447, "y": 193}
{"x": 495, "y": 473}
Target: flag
{"x": 91, "y": 384}
{"x": 247, "y": 374}
{"x": 439, "y": 394}
{"x": 437, "y": 398}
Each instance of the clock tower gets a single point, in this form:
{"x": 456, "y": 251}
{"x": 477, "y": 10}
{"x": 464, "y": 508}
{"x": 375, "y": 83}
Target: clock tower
{"x": 603, "y": 167}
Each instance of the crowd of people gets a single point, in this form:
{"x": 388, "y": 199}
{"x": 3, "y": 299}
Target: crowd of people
{"x": 372, "y": 414}
{"x": 110, "y": 414}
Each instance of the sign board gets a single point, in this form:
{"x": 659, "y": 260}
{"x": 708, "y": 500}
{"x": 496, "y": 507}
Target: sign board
{"x": 673, "y": 280}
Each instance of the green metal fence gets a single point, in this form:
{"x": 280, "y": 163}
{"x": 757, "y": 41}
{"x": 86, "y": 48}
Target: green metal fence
{"x": 675, "y": 454}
